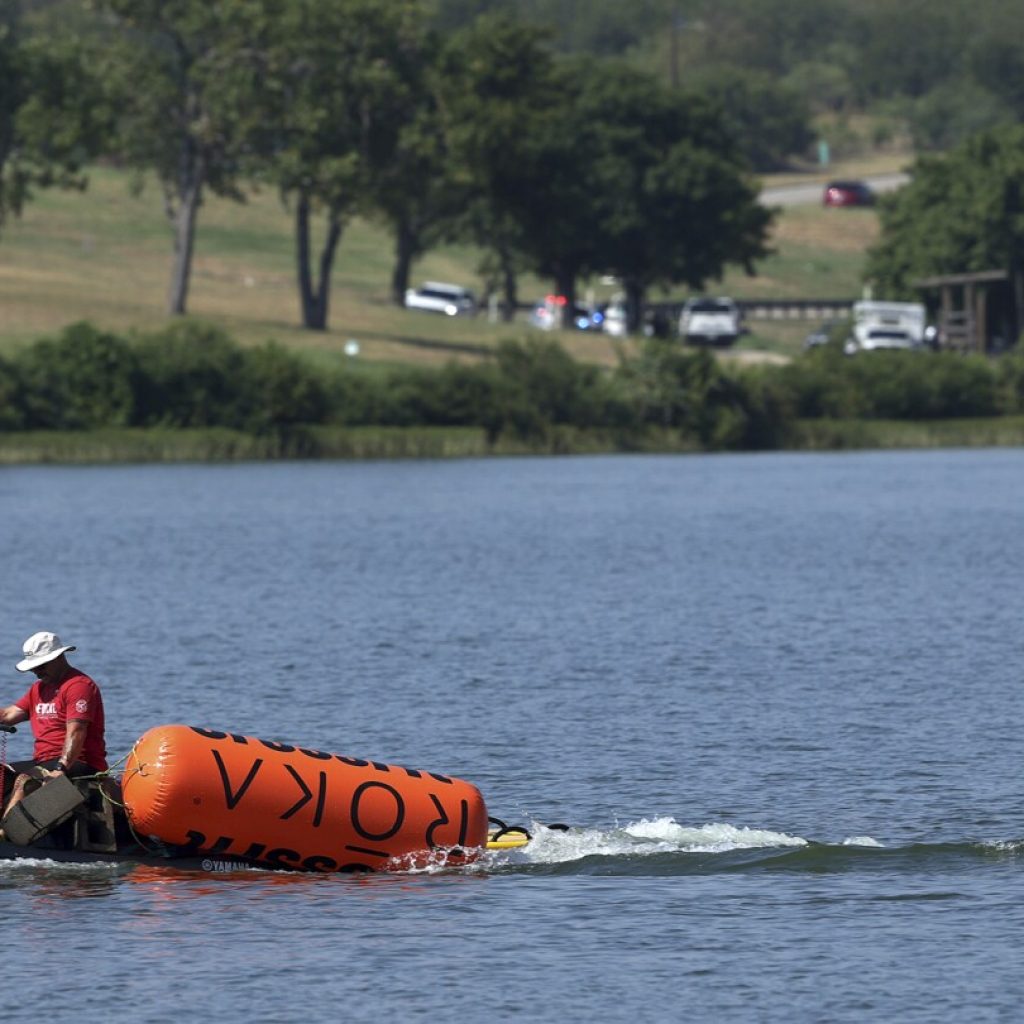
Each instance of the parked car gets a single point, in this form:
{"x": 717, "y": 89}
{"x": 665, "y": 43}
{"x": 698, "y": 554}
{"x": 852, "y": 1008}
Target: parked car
{"x": 614, "y": 320}
{"x": 848, "y": 193}
{"x": 547, "y": 315}
{"x": 438, "y": 297}
{"x": 821, "y": 335}
{"x": 708, "y": 321}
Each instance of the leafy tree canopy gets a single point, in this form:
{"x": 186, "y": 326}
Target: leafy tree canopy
{"x": 768, "y": 118}
{"x": 52, "y": 118}
{"x": 183, "y": 77}
{"x": 671, "y": 201}
{"x": 960, "y": 212}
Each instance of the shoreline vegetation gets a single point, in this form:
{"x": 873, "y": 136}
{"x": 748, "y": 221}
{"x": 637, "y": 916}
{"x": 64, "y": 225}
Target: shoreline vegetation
{"x": 148, "y": 445}
{"x": 190, "y": 393}
{"x": 122, "y": 384}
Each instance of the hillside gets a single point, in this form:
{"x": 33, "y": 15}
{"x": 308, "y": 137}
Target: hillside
{"x": 104, "y": 255}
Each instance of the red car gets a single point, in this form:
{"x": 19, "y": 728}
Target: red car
{"x": 848, "y": 193}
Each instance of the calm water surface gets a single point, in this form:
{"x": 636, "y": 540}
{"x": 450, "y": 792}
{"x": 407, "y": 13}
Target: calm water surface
{"x": 778, "y": 696}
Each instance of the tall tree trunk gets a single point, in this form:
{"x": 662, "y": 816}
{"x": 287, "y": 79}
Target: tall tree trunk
{"x": 634, "y": 306}
{"x": 314, "y": 290}
{"x": 182, "y": 211}
{"x": 406, "y": 249}
{"x": 565, "y": 282}
{"x": 509, "y": 286}
{"x": 1017, "y": 301}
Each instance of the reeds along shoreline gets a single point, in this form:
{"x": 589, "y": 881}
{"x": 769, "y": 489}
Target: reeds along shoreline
{"x": 154, "y": 445}
{"x": 148, "y": 445}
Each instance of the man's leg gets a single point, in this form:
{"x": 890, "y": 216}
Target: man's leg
{"x": 26, "y": 779}
{"x": 23, "y": 785}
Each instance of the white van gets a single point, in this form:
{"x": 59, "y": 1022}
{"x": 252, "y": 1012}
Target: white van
{"x": 439, "y": 297}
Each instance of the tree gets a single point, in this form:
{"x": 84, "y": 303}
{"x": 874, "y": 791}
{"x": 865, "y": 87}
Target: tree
{"x": 52, "y": 119}
{"x": 959, "y": 213}
{"x": 751, "y": 34}
{"x": 669, "y": 197}
{"x": 414, "y": 195}
{"x": 183, "y": 76}
{"x": 590, "y": 167}
{"x": 600, "y": 27}
{"x": 825, "y": 82}
{"x": 996, "y": 59}
{"x": 769, "y": 121}
{"x": 685, "y": 207}
{"x": 499, "y": 94}
{"x": 12, "y": 91}
{"x": 907, "y": 50}
{"x": 414, "y": 191}
{"x": 342, "y": 73}
{"x": 953, "y": 112}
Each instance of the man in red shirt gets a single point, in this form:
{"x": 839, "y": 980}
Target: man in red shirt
{"x": 65, "y": 710}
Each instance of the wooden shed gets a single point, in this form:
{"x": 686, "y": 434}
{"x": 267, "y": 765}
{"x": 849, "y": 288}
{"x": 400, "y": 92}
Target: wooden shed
{"x": 977, "y": 312}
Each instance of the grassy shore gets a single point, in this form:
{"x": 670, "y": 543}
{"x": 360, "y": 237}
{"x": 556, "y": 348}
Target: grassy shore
{"x": 222, "y": 445}
{"x": 129, "y": 446}
{"x": 104, "y": 255}
{"x": 841, "y": 435}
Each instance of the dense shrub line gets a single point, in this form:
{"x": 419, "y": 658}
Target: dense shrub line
{"x": 193, "y": 375}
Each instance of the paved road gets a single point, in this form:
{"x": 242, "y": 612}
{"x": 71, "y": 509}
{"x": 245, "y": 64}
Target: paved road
{"x": 794, "y": 195}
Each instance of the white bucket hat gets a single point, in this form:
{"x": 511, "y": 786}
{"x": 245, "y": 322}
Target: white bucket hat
{"x": 40, "y": 648}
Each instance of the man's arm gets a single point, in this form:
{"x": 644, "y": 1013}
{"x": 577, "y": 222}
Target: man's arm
{"x": 12, "y": 715}
{"x": 74, "y": 740}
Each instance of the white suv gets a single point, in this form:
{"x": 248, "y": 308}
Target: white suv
{"x": 438, "y": 297}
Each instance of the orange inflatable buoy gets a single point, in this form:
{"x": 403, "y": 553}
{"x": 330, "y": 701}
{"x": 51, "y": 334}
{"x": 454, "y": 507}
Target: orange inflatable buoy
{"x": 289, "y": 807}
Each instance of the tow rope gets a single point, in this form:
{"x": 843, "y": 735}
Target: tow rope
{"x": 3, "y": 771}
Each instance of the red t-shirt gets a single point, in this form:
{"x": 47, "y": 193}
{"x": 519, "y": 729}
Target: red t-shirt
{"x": 49, "y": 706}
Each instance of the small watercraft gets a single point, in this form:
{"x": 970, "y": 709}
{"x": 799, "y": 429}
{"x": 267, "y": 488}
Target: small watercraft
{"x": 59, "y": 846}
{"x": 201, "y": 799}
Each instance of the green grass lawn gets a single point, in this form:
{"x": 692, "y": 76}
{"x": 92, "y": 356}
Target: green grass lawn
{"x": 104, "y": 255}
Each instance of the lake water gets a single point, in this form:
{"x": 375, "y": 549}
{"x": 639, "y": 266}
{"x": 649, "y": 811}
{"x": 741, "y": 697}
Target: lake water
{"x": 777, "y": 696}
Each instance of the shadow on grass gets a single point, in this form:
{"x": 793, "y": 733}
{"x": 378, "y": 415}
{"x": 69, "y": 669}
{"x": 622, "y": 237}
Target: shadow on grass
{"x": 431, "y": 344}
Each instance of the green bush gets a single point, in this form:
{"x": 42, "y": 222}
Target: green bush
{"x": 84, "y": 378}
{"x": 354, "y": 399}
{"x": 669, "y": 387}
{"x": 541, "y": 374}
{"x": 815, "y": 387}
{"x": 12, "y": 393}
{"x": 452, "y": 396}
{"x": 1010, "y": 381}
{"x": 760, "y": 416}
{"x": 192, "y": 376}
{"x": 279, "y": 389}
{"x": 922, "y": 386}
{"x": 825, "y": 384}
